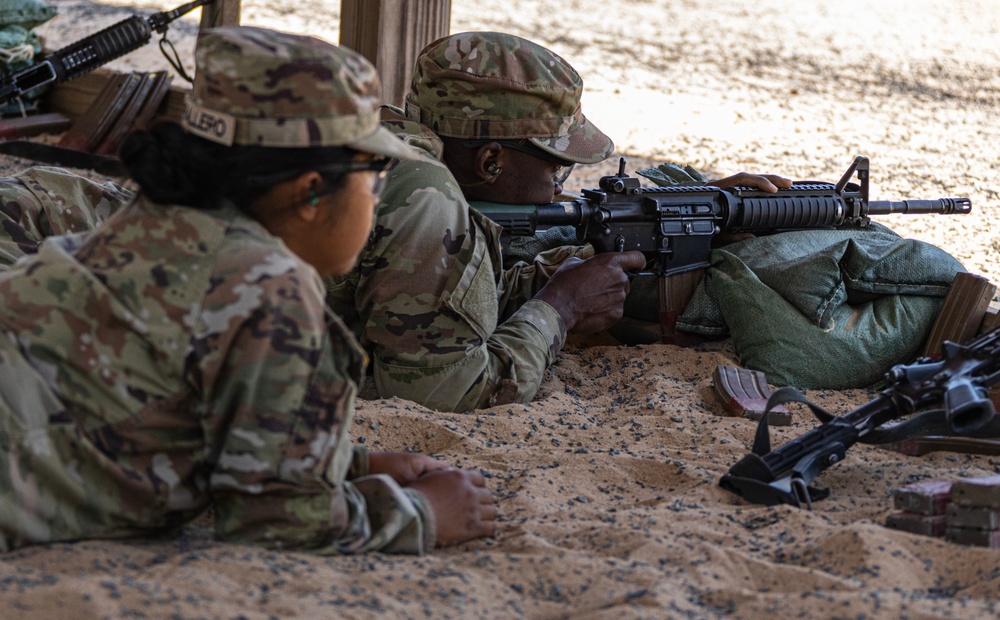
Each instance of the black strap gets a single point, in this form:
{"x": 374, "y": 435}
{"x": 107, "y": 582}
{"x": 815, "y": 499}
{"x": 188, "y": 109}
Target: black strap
{"x": 762, "y": 439}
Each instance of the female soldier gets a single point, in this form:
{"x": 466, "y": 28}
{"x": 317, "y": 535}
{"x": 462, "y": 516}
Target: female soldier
{"x": 180, "y": 355}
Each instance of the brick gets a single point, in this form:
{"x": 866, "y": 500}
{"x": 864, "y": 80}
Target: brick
{"x": 927, "y": 497}
{"x": 928, "y": 525}
{"x": 969, "y": 536}
{"x": 983, "y": 491}
{"x": 974, "y": 517}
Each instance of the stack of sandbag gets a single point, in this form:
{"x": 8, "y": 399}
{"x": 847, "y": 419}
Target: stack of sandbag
{"x": 19, "y": 45}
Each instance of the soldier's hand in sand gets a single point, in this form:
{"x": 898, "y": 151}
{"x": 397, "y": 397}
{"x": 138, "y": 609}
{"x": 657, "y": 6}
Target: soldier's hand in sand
{"x": 589, "y": 294}
{"x": 404, "y": 467}
{"x": 463, "y": 507}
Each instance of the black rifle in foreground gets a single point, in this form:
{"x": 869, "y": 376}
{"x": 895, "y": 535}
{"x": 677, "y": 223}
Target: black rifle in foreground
{"x": 958, "y": 383}
{"x": 87, "y": 54}
{"x": 675, "y": 225}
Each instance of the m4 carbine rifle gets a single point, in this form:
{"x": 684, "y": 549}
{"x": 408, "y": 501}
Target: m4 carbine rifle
{"x": 87, "y": 54}
{"x": 674, "y": 226}
{"x": 959, "y": 382}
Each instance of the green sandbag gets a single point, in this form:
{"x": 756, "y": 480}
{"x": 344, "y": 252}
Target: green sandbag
{"x": 829, "y": 309}
{"x": 20, "y": 47}
{"x": 27, "y": 14}
{"x": 854, "y": 348}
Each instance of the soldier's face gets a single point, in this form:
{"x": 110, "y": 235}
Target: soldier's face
{"x": 526, "y": 179}
{"x": 343, "y": 227}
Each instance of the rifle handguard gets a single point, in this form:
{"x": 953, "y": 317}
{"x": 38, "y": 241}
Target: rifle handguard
{"x": 91, "y": 52}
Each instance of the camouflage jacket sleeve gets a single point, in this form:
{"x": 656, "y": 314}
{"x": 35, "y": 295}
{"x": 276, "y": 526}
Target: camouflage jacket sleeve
{"x": 282, "y": 389}
{"x": 522, "y": 280}
{"x": 424, "y": 301}
{"x": 42, "y": 201}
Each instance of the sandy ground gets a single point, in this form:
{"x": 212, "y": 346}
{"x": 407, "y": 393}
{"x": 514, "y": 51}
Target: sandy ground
{"x": 608, "y": 481}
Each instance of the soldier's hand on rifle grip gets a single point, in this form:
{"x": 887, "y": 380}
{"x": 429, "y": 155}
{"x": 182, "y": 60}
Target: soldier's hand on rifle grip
{"x": 764, "y": 182}
{"x": 589, "y": 294}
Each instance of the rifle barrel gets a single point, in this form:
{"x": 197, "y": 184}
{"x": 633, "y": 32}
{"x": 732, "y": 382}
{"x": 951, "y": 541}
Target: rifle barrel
{"x": 944, "y": 206}
{"x": 570, "y": 213}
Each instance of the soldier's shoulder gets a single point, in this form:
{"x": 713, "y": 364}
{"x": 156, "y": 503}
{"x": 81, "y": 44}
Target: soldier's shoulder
{"x": 413, "y": 133}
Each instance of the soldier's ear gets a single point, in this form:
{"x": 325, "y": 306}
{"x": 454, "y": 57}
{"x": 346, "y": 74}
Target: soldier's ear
{"x": 305, "y": 190}
{"x": 488, "y": 161}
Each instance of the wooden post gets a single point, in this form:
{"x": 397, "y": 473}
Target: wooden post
{"x": 390, "y": 33}
{"x": 220, "y": 13}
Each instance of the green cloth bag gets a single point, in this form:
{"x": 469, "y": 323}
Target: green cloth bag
{"x": 20, "y": 47}
{"x": 824, "y": 309}
{"x": 27, "y": 14}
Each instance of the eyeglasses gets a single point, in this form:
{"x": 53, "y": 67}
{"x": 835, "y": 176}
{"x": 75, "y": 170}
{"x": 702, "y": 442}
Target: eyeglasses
{"x": 380, "y": 167}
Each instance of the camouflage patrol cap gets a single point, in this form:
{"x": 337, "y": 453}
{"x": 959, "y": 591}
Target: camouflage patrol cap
{"x": 498, "y": 86}
{"x": 255, "y": 86}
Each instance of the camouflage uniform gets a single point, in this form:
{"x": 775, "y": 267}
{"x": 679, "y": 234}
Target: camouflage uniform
{"x": 444, "y": 324}
{"x": 175, "y": 358}
{"x": 42, "y": 202}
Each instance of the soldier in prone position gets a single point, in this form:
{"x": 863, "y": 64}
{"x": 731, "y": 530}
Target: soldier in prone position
{"x": 497, "y": 118}
{"x": 180, "y": 355}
